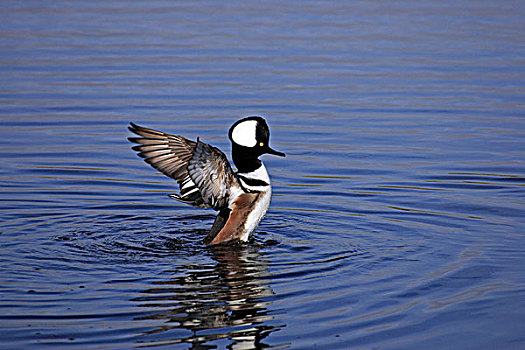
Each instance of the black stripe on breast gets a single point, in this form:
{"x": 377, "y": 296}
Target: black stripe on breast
{"x": 252, "y": 182}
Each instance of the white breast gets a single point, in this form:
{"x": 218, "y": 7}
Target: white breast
{"x": 255, "y": 217}
{"x": 263, "y": 201}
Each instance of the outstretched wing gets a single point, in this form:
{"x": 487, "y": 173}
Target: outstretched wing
{"x": 175, "y": 155}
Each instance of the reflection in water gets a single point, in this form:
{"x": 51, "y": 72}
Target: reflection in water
{"x": 219, "y": 300}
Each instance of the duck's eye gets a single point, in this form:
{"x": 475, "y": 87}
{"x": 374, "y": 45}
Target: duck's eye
{"x": 261, "y": 144}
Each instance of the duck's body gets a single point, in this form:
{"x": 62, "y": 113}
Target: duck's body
{"x": 206, "y": 179}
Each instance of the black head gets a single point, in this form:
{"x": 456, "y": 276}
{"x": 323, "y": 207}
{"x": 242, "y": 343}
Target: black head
{"x": 250, "y": 139}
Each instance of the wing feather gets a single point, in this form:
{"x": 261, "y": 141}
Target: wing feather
{"x": 211, "y": 172}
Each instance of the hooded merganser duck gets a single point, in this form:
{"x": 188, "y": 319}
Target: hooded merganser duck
{"x": 206, "y": 179}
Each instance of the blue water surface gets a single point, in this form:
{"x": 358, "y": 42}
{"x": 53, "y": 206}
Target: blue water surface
{"x": 397, "y": 217}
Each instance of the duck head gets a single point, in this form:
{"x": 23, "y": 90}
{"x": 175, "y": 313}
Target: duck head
{"x": 250, "y": 139}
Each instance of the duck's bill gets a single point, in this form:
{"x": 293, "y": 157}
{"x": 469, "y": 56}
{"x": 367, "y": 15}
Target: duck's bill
{"x": 275, "y": 153}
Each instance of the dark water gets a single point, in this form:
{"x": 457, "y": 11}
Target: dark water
{"x": 397, "y": 220}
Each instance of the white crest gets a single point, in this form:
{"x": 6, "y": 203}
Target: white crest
{"x": 244, "y": 133}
